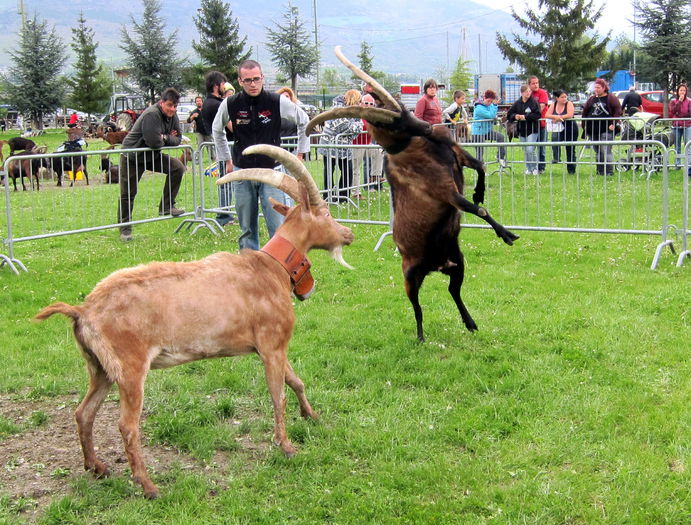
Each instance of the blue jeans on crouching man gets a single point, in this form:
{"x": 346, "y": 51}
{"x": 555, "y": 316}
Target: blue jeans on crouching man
{"x": 248, "y": 194}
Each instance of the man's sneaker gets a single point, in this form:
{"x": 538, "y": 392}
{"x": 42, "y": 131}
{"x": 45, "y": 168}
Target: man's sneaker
{"x": 125, "y": 236}
{"x": 175, "y": 212}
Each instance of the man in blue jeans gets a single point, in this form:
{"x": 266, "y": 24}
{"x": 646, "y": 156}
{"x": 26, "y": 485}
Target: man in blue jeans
{"x": 256, "y": 116}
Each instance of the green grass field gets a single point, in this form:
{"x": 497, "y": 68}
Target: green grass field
{"x": 571, "y": 405}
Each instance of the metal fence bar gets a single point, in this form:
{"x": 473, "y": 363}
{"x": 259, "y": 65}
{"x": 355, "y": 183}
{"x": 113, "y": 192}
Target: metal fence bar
{"x": 685, "y": 233}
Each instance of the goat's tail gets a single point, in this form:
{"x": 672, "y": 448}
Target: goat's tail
{"x": 59, "y": 308}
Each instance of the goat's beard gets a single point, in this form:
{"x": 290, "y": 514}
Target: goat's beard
{"x": 337, "y": 255}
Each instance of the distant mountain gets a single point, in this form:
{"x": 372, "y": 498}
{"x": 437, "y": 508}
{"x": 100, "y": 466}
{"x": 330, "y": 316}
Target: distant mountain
{"x": 416, "y": 39}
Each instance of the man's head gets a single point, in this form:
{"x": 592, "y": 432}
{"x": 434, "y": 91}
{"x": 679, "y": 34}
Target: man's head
{"x": 250, "y": 77}
{"x": 368, "y": 100}
{"x": 534, "y": 83}
{"x": 169, "y": 102}
{"x": 214, "y": 81}
{"x": 199, "y": 101}
{"x": 459, "y": 97}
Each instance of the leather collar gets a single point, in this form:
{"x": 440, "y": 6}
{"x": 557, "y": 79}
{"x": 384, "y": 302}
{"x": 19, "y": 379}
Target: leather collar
{"x": 296, "y": 264}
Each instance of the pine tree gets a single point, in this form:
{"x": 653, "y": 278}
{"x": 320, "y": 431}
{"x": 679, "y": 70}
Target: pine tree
{"x": 366, "y": 59}
{"x": 564, "y": 56}
{"x": 90, "y": 84}
{"x": 33, "y": 83}
{"x": 152, "y": 58}
{"x": 461, "y": 79}
{"x": 289, "y": 44}
{"x": 666, "y": 28}
{"x": 220, "y": 46}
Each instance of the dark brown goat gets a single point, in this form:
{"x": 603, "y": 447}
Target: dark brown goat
{"x": 18, "y": 168}
{"x": 17, "y": 144}
{"x": 425, "y": 170}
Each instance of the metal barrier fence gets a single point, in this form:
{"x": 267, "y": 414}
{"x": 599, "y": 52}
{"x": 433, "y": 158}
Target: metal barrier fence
{"x": 47, "y": 210}
{"x": 635, "y": 194}
{"x": 685, "y": 232}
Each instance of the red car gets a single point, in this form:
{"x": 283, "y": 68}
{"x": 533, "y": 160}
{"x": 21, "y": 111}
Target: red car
{"x": 652, "y": 101}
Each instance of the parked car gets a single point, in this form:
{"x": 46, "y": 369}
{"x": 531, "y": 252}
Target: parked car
{"x": 653, "y": 101}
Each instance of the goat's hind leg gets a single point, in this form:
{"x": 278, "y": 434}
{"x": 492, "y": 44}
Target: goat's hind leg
{"x": 131, "y": 404}
{"x": 99, "y": 385}
{"x": 414, "y": 276}
{"x": 296, "y": 384}
{"x": 456, "y": 273}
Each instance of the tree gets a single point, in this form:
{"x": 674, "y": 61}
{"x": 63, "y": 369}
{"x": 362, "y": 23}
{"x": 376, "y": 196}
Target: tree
{"x": 461, "y": 78}
{"x": 33, "y": 83}
{"x": 666, "y": 28}
{"x": 564, "y": 54}
{"x": 90, "y": 83}
{"x": 220, "y": 46}
{"x": 621, "y": 55}
{"x": 366, "y": 59}
{"x": 289, "y": 44}
{"x": 152, "y": 58}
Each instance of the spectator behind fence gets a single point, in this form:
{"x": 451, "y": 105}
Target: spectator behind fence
{"x": 216, "y": 82}
{"x": 428, "y": 107}
{"x": 560, "y": 122}
{"x": 632, "y": 102}
{"x": 600, "y": 115}
{"x": 526, "y": 113}
{"x": 201, "y": 132}
{"x": 680, "y": 107}
{"x": 542, "y": 98}
{"x": 289, "y": 128}
{"x": 256, "y": 115}
{"x": 340, "y": 131}
{"x": 157, "y": 127}
{"x": 484, "y": 113}
{"x": 458, "y": 114}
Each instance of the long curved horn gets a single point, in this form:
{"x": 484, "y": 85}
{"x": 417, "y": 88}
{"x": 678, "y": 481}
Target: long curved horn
{"x": 378, "y": 115}
{"x": 378, "y": 88}
{"x": 293, "y": 165}
{"x": 280, "y": 180}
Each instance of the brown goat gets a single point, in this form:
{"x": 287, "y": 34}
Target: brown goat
{"x": 111, "y": 137}
{"x": 148, "y": 316}
{"x": 424, "y": 167}
{"x": 18, "y": 168}
{"x": 16, "y": 144}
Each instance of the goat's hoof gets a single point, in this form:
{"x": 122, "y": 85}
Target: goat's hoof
{"x": 151, "y": 493}
{"x": 99, "y": 470}
{"x": 289, "y": 450}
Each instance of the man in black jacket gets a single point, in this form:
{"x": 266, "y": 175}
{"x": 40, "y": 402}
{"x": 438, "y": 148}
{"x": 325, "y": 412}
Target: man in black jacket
{"x": 157, "y": 127}
{"x": 256, "y": 116}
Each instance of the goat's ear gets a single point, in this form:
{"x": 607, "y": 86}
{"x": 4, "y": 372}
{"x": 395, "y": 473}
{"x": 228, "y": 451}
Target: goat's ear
{"x": 279, "y": 206}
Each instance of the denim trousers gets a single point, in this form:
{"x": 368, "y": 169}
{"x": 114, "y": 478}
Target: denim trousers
{"x": 248, "y": 195}
{"x": 531, "y": 156}
{"x": 542, "y": 137}
{"x": 682, "y": 136}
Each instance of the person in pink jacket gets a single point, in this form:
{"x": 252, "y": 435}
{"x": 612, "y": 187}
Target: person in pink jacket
{"x": 680, "y": 108}
{"x": 428, "y": 107}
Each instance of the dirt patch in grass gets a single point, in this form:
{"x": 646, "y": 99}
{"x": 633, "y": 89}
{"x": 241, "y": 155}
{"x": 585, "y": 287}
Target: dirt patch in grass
{"x": 38, "y": 464}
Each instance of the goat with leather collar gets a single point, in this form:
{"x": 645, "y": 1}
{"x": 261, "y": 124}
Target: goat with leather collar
{"x": 295, "y": 263}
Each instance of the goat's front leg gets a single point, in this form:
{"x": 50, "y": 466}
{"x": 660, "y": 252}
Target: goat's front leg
{"x": 298, "y": 387}
{"x": 463, "y": 158}
{"x": 275, "y": 362}
{"x": 131, "y": 403}
{"x": 464, "y": 204}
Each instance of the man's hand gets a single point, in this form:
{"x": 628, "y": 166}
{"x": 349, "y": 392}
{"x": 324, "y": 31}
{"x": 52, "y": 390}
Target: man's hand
{"x": 300, "y": 156}
{"x": 229, "y": 166}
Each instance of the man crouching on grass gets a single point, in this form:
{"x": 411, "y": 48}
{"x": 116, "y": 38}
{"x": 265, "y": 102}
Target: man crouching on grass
{"x": 157, "y": 127}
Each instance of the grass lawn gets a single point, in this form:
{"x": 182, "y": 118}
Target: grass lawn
{"x": 571, "y": 405}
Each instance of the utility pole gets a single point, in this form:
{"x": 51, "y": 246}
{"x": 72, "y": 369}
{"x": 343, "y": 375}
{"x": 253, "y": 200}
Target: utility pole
{"x": 21, "y": 11}
{"x": 316, "y": 37}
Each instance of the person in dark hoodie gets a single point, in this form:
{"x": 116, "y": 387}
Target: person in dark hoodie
{"x": 526, "y": 113}
{"x": 256, "y": 116}
{"x": 157, "y": 127}
{"x": 600, "y": 122}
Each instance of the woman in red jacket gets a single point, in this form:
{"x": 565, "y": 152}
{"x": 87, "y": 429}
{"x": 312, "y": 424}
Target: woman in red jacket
{"x": 428, "y": 107}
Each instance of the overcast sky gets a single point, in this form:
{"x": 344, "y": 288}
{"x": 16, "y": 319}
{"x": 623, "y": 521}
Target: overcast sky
{"x": 616, "y": 16}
